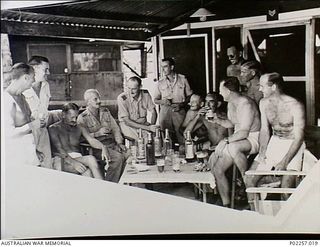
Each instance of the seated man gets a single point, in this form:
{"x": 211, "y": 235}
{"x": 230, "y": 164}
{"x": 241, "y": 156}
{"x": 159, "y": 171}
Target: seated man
{"x": 243, "y": 116}
{"x": 133, "y": 106}
{"x": 65, "y": 139}
{"x": 101, "y": 125}
{"x": 215, "y": 132}
{"x": 285, "y": 115}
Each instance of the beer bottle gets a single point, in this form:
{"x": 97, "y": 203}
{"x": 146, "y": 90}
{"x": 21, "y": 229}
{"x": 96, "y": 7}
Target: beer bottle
{"x": 141, "y": 148}
{"x": 189, "y": 148}
{"x": 167, "y": 142}
{"x": 150, "y": 151}
{"x": 158, "y": 144}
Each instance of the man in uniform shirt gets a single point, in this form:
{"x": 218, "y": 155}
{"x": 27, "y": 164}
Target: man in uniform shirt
{"x": 172, "y": 94}
{"x": 249, "y": 79}
{"x": 38, "y": 99}
{"x": 133, "y": 106}
{"x": 102, "y": 126}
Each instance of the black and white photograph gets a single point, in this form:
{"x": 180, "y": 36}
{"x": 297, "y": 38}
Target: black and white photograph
{"x": 160, "y": 119}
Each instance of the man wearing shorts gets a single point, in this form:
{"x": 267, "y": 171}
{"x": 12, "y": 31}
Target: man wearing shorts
{"x": 282, "y": 150}
{"x": 244, "y": 118}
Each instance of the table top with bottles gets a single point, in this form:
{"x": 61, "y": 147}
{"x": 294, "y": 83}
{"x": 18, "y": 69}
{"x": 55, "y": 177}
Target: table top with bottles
{"x": 158, "y": 161}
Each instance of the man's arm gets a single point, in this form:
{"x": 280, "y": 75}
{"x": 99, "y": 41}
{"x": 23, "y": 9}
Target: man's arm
{"x": 157, "y": 98}
{"x": 95, "y": 143}
{"x": 264, "y": 136}
{"x": 154, "y": 116}
{"x": 297, "y": 111}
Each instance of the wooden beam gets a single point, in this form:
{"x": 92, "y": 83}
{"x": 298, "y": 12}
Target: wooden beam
{"x": 32, "y": 29}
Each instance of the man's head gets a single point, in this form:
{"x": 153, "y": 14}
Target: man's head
{"x": 229, "y": 86}
{"x": 70, "y": 112}
{"x": 196, "y": 102}
{"x": 92, "y": 98}
{"x": 249, "y": 70}
{"x": 234, "y": 53}
{"x": 41, "y": 68}
{"x": 134, "y": 86}
{"x": 214, "y": 100}
{"x": 270, "y": 84}
{"x": 21, "y": 76}
{"x": 168, "y": 65}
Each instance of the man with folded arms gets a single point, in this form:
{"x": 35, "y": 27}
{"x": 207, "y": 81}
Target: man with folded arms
{"x": 283, "y": 150}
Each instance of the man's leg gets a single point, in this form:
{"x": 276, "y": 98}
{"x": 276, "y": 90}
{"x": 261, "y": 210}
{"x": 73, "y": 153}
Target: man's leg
{"x": 219, "y": 169}
{"x": 116, "y": 166}
{"x": 238, "y": 152}
{"x": 91, "y": 162}
{"x": 287, "y": 182}
{"x": 251, "y": 181}
{"x": 177, "y": 120}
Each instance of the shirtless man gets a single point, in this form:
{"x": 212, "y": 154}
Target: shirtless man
{"x": 65, "y": 139}
{"x": 234, "y": 53}
{"x": 244, "y": 117}
{"x": 249, "y": 79}
{"x": 215, "y": 131}
{"x": 284, "y": 149}
{"x": 196, "y": 103}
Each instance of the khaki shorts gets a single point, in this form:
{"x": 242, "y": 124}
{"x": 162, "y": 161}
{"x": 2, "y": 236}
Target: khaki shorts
{"x": 253, "y": 138}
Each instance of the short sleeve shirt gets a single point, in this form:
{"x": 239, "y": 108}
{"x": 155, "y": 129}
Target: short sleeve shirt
{"x": 178, "y": 90}
{"x": 87, "y": 120}
{"x": 135, "y": 109}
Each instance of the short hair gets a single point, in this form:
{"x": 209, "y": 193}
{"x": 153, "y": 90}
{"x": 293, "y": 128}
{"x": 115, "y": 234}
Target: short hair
{"x": 70, "y": 106}
{"x": 201, "y": 98}
{"x": 170, "y": 60}
{"x": 238, "y": 46}
{"x": 216, "y": 96}
{"x": 232, "y": 83}
{"x": 254, "y": 65}
{"x": 90, "y": 91}
{"x": 36, "y": 60}
{"x": 136, "y": 79}
{"x": 275, "y": 79}
{"x": 20, "y": 69}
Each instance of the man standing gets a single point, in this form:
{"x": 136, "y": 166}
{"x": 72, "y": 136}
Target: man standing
{"x": 234, "y": 53}
{"x": 244, "y": 117}
{"x": 249, "y": 79}
{"x": 133, "y": 106}
{"x": 38, "y": 99}
{"x": 284, "y": 149}
{"x": 101, "y": 125}
{"x": 215, "y": 131}
{"x": 172, "y": 94}
{"x": 65, "y": 138}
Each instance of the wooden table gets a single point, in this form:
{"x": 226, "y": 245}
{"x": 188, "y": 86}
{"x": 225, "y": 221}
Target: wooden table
{"x": 186, "y": 175}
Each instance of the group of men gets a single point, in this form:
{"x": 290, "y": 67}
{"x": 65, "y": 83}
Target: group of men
{"x": 242, "y": 130}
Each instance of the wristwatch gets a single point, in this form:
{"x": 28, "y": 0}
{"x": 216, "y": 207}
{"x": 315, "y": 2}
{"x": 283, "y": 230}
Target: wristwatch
{"x": 226, "y": 140}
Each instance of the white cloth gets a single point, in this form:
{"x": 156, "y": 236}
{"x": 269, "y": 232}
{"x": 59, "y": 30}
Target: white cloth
{"x": 75, "y": 155}
{"x": 253, "y": 138}
{"x": 276, "y": 150}
{"x": 20, "y": 148}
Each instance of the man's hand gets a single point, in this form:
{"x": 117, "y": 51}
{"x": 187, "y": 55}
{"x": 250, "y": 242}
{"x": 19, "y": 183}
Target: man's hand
{"x": 202, "y": 112}
{"x": 281, "y": 166}
{"x": 166, "y": 102}
{"x": 43, "y": 122}
{"x": 40, "y": 156}
{"x": 220, "y": 147}
{"x": 152, "y": 128}
{"x": 103, "y": 131}
{"x": 122, "y": 148}
{"x": 176, "y": 107}
{"x": 105, "y": 154}
{"x": 79, "y": 167}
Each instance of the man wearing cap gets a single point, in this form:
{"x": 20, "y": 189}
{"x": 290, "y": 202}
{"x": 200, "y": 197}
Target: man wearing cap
{"x": 172, "y": 94}
{"x": 133, "y": 105}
